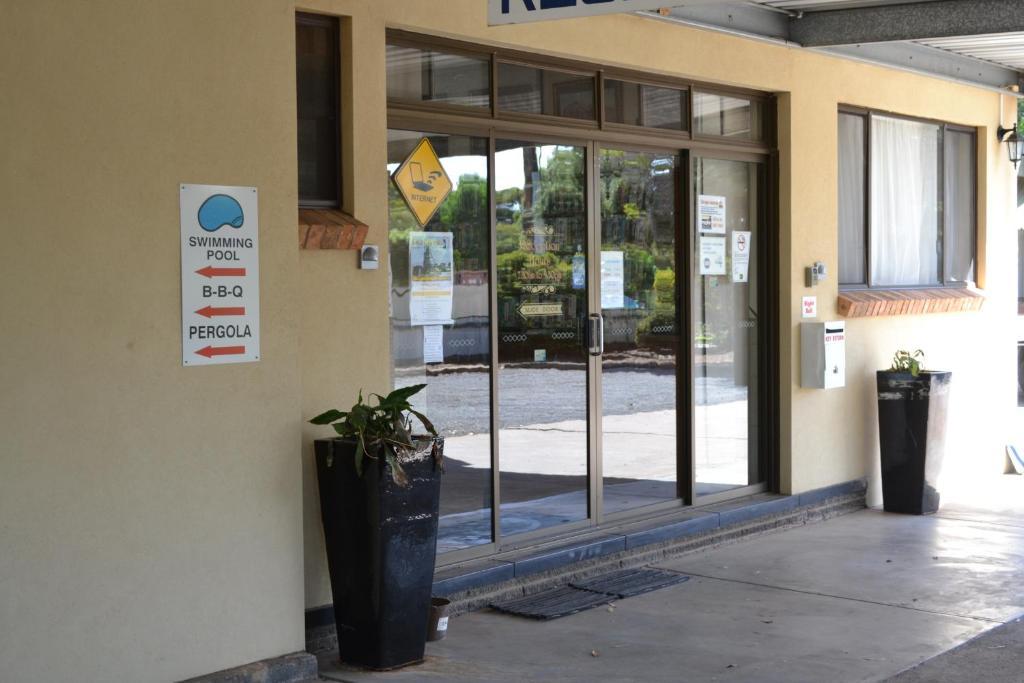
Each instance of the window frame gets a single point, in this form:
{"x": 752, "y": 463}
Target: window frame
{"x": 333, "y": 23}
{"x": 599, "y": 73}
{"x": 427, "y": 118}
{"x": 400, "y": 39}
{"x": 685, "y": 90}
{"x": 514, "y": 115}
{"x": 944, "y": 282}
{"x": 767, "y": 126}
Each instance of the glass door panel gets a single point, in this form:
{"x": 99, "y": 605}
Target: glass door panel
{"x": 458, "y": 394}
{"x": 541, "y": 229}
{"x": 727, "y": 218}
{"x": 639, "y": 306}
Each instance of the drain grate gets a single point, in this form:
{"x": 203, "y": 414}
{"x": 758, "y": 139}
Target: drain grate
{"x": 554, "y": 603}
{"x": 630, "y": 582}
{"x": 584, "y": 595}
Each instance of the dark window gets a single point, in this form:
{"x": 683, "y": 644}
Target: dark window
{"x": 906, "y": 202}
{"x": 420, "y": 75}
{"x": 637, "y": 104}
{"x": 532, "y": 90}
{"x": 317, "y": 66}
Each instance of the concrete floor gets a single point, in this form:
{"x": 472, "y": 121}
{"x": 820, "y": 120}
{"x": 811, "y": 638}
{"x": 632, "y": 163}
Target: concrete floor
{"x": 994, "y": 656}
{"x": 544, "y": 469}
{"x": 857, "y": 598}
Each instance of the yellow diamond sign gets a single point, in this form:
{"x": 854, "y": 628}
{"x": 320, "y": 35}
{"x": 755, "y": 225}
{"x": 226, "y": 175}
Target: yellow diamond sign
{"x": 422, "y": 181}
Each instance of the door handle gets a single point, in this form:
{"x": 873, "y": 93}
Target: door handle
{"x": 595, "y": 335}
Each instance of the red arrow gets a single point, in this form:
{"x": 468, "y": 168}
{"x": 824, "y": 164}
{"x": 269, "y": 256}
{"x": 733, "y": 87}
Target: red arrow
{"x": 211, "y": 351}
{"x": 210, "y": 271}
{"x": 210, "y": 311}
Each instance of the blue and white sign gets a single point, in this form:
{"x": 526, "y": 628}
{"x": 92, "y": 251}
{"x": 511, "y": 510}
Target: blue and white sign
{"x": 220, "y": 275}
{"x": 520, "y": 11}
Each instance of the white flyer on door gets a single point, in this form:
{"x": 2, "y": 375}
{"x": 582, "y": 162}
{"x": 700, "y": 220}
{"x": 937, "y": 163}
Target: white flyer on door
{"x": 431, "y": 278}
{"x": 712, "y": 255}
{"x": 741, "y": 245}
{"x": 433, "y": 344}
{"x": 612, "y": 280}
{"x": 711, "y": 213}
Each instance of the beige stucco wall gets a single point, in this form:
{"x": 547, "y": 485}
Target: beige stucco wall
{"x": 150, "y": 514}
{"x": 153, "y": 519}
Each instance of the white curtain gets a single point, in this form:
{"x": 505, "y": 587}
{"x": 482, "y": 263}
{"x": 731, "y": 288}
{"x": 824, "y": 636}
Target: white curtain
{"x": 904, "y": 202}
{"x": 851, "y": 199}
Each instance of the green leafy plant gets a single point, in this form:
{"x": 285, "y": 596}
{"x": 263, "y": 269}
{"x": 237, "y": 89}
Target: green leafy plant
{"x": 383, "y": 430}
{"x": 907, "y": 361}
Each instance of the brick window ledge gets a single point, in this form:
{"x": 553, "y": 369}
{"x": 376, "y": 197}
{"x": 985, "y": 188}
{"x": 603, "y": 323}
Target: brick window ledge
{"x": 879, "y": 302}
{"x": 330, "y": 229}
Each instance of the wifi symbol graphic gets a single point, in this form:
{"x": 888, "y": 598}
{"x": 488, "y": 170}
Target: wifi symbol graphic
{"x": 418, "y": 181}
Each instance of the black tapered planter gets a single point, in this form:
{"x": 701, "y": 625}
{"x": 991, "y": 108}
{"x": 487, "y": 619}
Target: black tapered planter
{"x": 912, "y": 437}
{"x": 381, "y": 544}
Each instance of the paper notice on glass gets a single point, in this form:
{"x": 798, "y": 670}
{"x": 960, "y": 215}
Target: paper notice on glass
{"x": 712, "y": 255}
{"x": 431, "y": 278}
{"x": 433, "y": 344}
{"x": 741, "y": 245}
{"x": 579, "y": 271}
{"x": 711, "y": 213}
{"x": 612, "y": 280}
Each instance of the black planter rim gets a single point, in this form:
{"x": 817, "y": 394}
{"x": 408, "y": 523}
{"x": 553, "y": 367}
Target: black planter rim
{"x": 907, "y": 375}
{"x": 352, "y": 442}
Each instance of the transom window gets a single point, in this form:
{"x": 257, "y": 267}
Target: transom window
{"x": 504, "y": 84}
{"x": 640, "y": 104}
{"x": 907, "y": 214}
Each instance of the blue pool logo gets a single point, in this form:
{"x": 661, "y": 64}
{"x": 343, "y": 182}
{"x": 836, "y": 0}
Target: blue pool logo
{"x": 219, "y": 210}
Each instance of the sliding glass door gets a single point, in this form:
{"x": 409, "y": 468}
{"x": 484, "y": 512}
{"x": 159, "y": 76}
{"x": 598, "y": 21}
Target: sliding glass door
{"x": 541, "y": 240}
{"x": 638, "y": 196}
{"x": 725, "y": 290}
{"x": 603, "y": 357}
{"x": 452, "y": 358}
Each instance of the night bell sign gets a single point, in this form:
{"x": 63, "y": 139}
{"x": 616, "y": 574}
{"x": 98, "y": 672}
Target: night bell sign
{"x": 220, "y": 276}
{"x": 519, "y": 11}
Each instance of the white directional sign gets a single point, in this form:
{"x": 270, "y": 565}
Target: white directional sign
{"x": 220, "y": 275}
{"x": 519, "y": 11}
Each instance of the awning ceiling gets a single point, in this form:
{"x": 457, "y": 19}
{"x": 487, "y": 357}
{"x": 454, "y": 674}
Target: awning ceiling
{"x": 979, "y": 41}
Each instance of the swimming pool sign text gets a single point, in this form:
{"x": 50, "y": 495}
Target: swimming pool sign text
{"x": 220, "y": 294}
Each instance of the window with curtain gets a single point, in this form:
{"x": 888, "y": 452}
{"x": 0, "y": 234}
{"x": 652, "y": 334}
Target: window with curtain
{"x": 906, "y": 202}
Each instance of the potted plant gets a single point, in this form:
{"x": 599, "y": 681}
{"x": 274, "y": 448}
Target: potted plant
{"x": 912, "y": 433}
{"x": 379, "y": 488}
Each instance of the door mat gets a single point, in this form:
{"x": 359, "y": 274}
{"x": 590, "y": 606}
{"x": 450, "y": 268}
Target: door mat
{"x": 553, "y": 603}
{"x": 584, "y": 595}
{"x": 630, "y": 582}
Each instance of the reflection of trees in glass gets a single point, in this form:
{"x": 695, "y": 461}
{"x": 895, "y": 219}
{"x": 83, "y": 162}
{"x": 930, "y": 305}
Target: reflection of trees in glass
{"x": 663, "y": 318}
{"x": 464, "y": 213}
{"x": 637, "y": 199}
{"x": 540, "y": 227}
